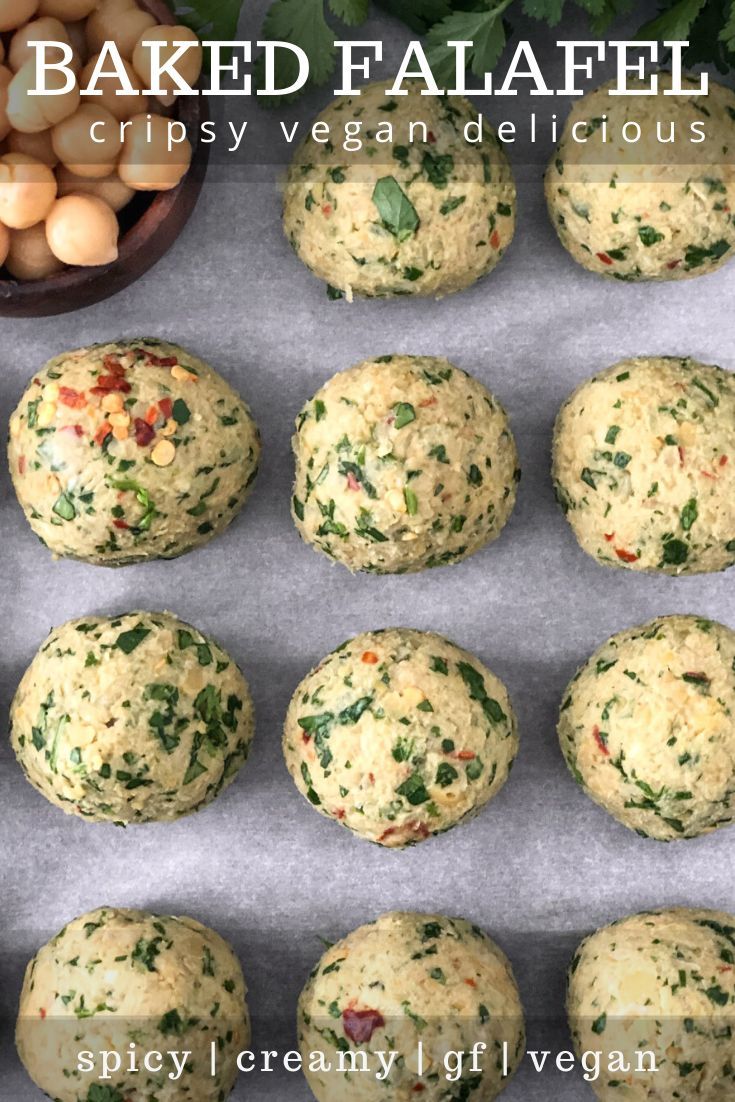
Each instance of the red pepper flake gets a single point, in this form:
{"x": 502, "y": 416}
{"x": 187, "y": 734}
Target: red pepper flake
{"x": 626, "y": 556}
{"x": 21, "y": 464}
{"x": 42, "y": 1012}
{"x": 465, "y": 755}
{"x": 102, "y": 433}
{"x": 143, "y": 432}
{"x": 113, "y": 365}
{"x": 428, "y": 402}
{"x": 359, "y": 1025}
{"x": 723, "y": 460}
{"x": 152, "y": 360}
{"x": 327, "y": 210}
{"x": 340, "y": 813}
{"x": 417, "y": 1088}
{"x": 72, "y": 398}
{"x": 609, "y": 536}
{"x": 605, "y": 258}
{"x": 369, "y": 657}
{"x": 107, "y": 384}
{"x": 708, "y": 474}
{"x": 432, "y": 137}
{"x": 352, "y": 483}
{"x": 600, "y": 741}
{"x": 495, "y": 240}
{"x": 120, "y": 523}
{"x": 413, "y": 829}
{"x": 371, "y": 778}
{"x": 673, "y": 264}
{"x": 681, "y": 455}
{"x": 166, "y": 407}
{"x": 161, "y": 361}
{"x": 471, "y": 983}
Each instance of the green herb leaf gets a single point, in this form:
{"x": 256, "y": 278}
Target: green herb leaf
{"x": 475, "y": 682}
{"x": 64, "y": 507}
{"x": 404, "y": 414}
{"x": 127, "y": 641}
{"x": 446, "y": 774}
{"x": 301, "y": 22}
{"x": 103, "y": 1094}
{"x": 396, "y": 210}
{"x": 485, "y": 29}
{"x": 351, "y": 12}
{"x": 689, "y": 514}
{"x": 675, "y": 24}
{"x": 414, "y": 790}
{"x": 675, "y": 552}
{"x": 180, "y": 412}
{"x": 419, "y": 15}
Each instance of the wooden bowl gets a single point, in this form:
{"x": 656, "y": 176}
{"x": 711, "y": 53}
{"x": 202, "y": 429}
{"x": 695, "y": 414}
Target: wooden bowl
{"x": 151, "y": 223}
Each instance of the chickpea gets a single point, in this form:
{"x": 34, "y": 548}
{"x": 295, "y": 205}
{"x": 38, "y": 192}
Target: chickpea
{"x": 82, "y": 230}
{"x": 111, "y": 188}
{"x": 118, "y": 22}
{"x": 40, "y": 30}
{"x": 123, "y": 106}
{"x": 29, "y": 256}
{"x": 77, "y": 34}
{"x": 147, "y": 165}
{"x": 4, "y": 243}
{"x": 68, "y": 10}
{"x": 189, "y": 65}
{"x": 5, "y": 78}
{"x": 27, "y": 191}
{"x": 31, "y": 114}
{"x": 38, "y": 146}
{"x": 14, "y": 13}
{"x": 75, "y": 145}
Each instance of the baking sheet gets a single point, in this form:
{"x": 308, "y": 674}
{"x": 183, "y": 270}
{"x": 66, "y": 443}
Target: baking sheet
{"x": 542, "y": 865}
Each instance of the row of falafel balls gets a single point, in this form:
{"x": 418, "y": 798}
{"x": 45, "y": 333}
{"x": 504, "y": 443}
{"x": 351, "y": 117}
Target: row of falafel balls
{"x": 134, "y": 450}
{"x": 397, "y": 735}
{"x": 649, "y": 996}
{"x": 640, "y": 187}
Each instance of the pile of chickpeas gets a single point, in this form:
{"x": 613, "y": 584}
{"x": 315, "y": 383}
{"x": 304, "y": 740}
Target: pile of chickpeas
{"x": 60, "y": 191}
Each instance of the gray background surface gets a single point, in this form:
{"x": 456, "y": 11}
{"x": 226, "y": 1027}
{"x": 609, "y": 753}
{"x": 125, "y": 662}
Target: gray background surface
{"x": 542, "y": 865}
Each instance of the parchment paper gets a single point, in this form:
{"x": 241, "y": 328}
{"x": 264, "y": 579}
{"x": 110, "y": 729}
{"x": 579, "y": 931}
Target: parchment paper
{"x": 542, "y": 865}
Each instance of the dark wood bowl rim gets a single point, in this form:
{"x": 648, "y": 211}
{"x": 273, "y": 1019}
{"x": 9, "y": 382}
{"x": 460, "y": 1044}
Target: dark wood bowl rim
{"x": 193, "y": 111}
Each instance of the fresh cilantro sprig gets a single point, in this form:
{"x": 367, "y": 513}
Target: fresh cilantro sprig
{"x": 709, "y": 26}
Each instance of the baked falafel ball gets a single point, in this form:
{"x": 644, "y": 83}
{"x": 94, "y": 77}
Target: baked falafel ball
{"x": 646, "y": 210}
{"x": 647, "y": 727}
{"x": 129, "y": 451}
{"x": 402, "y": 463}
{"x": 114, "y": 975}
{"x": 658, "y": 983}
{"x": 400, "y": 735}
{"x": 403, "y": 216}
{"x": 403, "y": 979}
{"x": 131, "y": 718}
{"x": 644, "y": 466}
